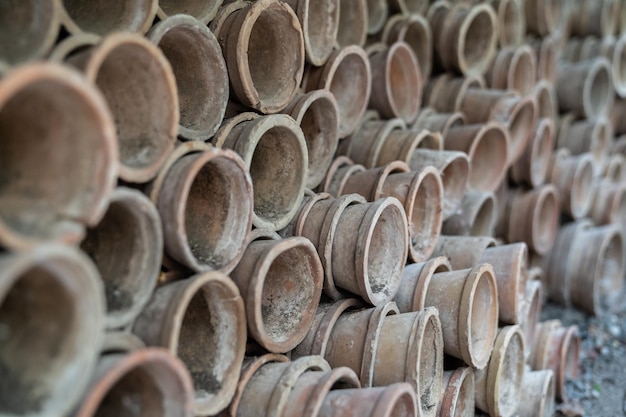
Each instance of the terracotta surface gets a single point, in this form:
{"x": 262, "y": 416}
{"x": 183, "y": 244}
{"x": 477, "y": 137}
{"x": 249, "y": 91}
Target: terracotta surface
{"x": 320, "y": 23}
{"x": 203, "y": 10}
{"x": 438, "y": 122}
{"x": 511, "y": 21}
{"x": 532, "y": 168}
{"x": 445, "y": 92}
{"x": 537, "y": 399}
{"x": 393, "y": 400}
{"x": 457, "y": 398}
{"x": 594, "y": 18}
{"x": 101, "y": 17}
{"x": 415, "y": 278}
{"x": 609, "y": 203}
{"x": 585, "y": 88}
{"x": 476, "y": 215}
{"x": 515, "y": 67}
{"x": 586, "y": 136}
{"x": 412, "y": 28}
{"x": 544, "y": 17}
{"x": 353, "y": 23}
{"x": 463, "y": 251}
{"x": 573, "y": 178}
{"x": 377, "y": 13}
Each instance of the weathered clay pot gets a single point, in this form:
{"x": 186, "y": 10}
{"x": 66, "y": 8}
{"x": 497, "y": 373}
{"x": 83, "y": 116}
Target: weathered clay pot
{"x": 411, "y": 296}
{"x": 545, "y": 96}
{"x": 421, "y": 195}
{"x": 44, "y": 108}
{"x": 573, "y": 178}
{"x": 585, "y": 88}
{"x": 429, "y": 119}
{"x": 476, "y": 215}
{"x": 396, "y": 90}
{"x": 592, "y": 136}
{"x": 537, "y": 397}
{"x": 320, "y": 22}
{"x": 515, "y": 67}
{"x": 445, "y": 92}
{"x": 140, "y": 89}
{"x": 457, "y": 397}
{"x": 267, "y": 384}
{"x": 52, "y": 313}
{"x": 203, "y": 10}
{"x": 487, "y": 147}
{"x": 73, "y": 44}
{"x": 347, "y": 75}
{"x": 598, "y": 18}
{"x": 533, "y": 166}
{"x": 544, "y": 17}
{"x": 465, "y": 36}
{"x": 275, "y": 152}
{"x": 353, "y": 23}
{"x": 202, "y": 321}
{"x": 181, "y": 192}
{"x": 414, "y": 30}
{"x": 511, "y": 21}
{"x": 453, "y": 168}
{"x": 498, "y": 385}
{"x": 101, "y": 17}
{"x": 463, "y": 251}
{"x": 531, "y": 308}
{"x": 201, "y": 75}
{"x": 557, "y": 348}
{"x": 547, "y": 51}
{"x": 609, "y": 203}
{"x": 532, "y": 217}
{"x": 28, "y": 29}
{"x": 377, "y": 13}
{"x": 517, "y": 113}
{"x": 363, "y": 246}
{"x": 127, "y": 247}
{"x": 147, "y": 382}
{"x": 615, "y": 168}
{"x": 393, "y": 400}
{"x": 281, "y": 283}
{"x": 308, "y": 394}
{"x": 318, "y": 116}
{"x": 262, "y": 76}
{"x": 468, "y": 309}
{"x": 117, "y": 342}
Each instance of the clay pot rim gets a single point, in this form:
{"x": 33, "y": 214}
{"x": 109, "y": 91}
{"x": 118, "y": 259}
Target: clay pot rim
{"x": 256, "y": 284}
{"x": 521, "y": 20}
{"x": 485, "y": 201}
{"x": 472, "y": 13}
{"x": 337, "y": 164}
{"x": 505, "y": 337}
{"x": 327, "y": 323}
{"x": 543, "y": 193}
{"x": 366, "y": 233}
{"x": 307, "y": 203}
{"x": 403, "y": 51}
{"x": 520, "y": 104}
{"x": 217, "y": 23}
{"x": 619, "y": 83}
{"x": 138, "y": 205}
{"x": 374, "y": 27}
{"x": 101, "y": 53}
{"x": 26, "y": 75}
{"x": 129, "y": 362}
{"x": 548, "y": 389}
{"x": 324, "y": 386}
{"x": 72, "y": 27}
{"x": 546, "y": 86}
{"x": 619, "y": 195}
{"x": 49, "y": 38}
{"x": 423, "y": 280}
{"x": 385, "y": 128}
{"x": 585, "y": 164}
{"x": 254, "y": 132}
{"x": 455, "y": 119}
{"x": 570, "y": 338}
{"x": 428, "y": 173}
{"x": 89, "y": 301}
{"x": 481, "y": 271}
{"x": 601, "y": 133}
{"x": 531, "y": 303}
{"x": 64, "y": 49}
{"x": 325, "y": 249}
{"x": 395, "y": 167}
{"x": 121, "y": 341}
{"x": 615, "y": 167}
{"x": 544, "y": 126}
{"x": 221, "y": 137}
{"x": 611, "y": 234}
{"x": 547, "y": 58}
{"x": 204, "y": 18}
{"x": 202, "y": 159}
{"x": 247, "y": 371}
{"x": 252, "y": 11}
{"x": 521, "y": 263}
{"x": 596, "y": 67}
{"x": 390, "y": 396}
{"x": 201, "y": 34}
{"x": 397, "y": 27}
{"x": 372, "y": 340}
{"x": 298, "y": 108}
{"x": 452, "y": 391}
{"x": 302, "y": 10}
{"x": 522, "y": 52}
{"x": 487, "y": 129}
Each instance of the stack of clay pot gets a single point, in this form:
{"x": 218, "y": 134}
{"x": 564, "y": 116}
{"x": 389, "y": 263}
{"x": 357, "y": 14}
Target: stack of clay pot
{"x": 305, "y": 207}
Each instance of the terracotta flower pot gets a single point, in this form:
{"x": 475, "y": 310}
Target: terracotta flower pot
{"x": 320, "y": 23}
{"x": 511, "y": 21}
{"x": 140, "y": 89}
{"x": 409, "y": 7}
{"x": 43, "y": 109}
{"x": 201, "y": 75}
{"x": 429, "y": 119}
{"x": 476, "y": 215}
{"x": 537, "y": 399}
{"x": 52, "y": 313}
{"x": 353, "y": 23}
{"x": 548, "y": 53}
{"x": 615, "y": 168}
{"x": 275, "y": 153}
{"x": 412, "y": 28}
{"x": 585, "y": 88}
{"x": 445, "y": 92}
{"x": 609, "y": 203}
{"x": 547, "y": 105}
{"x": 281, "y": 283}
{"x": 573, "y": 178}
{"x": 557, "y": 348}
{"x": 202, "y": 321}
{"x": 318, "y": 116}
{"x": 150, "y": 382}
{"x": 487, "y": 147}
{"x": 393, "y": 400}
{"x": 203, "y": 10}
{"x": 532, "y": 168}
{"x": 586, "y": 136}
{"x": 531, "y": 309}
{"x": 36, "y": 26}
{"x": 347, "y": 75}
{"x": 103, "y": 18}
{"x": 396, "y": 90}
{"x": 544, "y": 17}
{"x": 594, "y": 18}
{"x": 457, "y": 398}
{"x": 72, "y": 45}
{"x": 463, "y": 251}
{"x": 515, "y": 67}
{"x": 411, "y": 296}
{"x": 180, "y": 192}
{"x": 127, "y": 247}
{"x": 498, "y": 385}
{"x": 262, "y": 76}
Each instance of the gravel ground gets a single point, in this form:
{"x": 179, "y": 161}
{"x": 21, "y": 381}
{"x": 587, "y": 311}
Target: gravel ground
{"x": 600, "y": 390}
